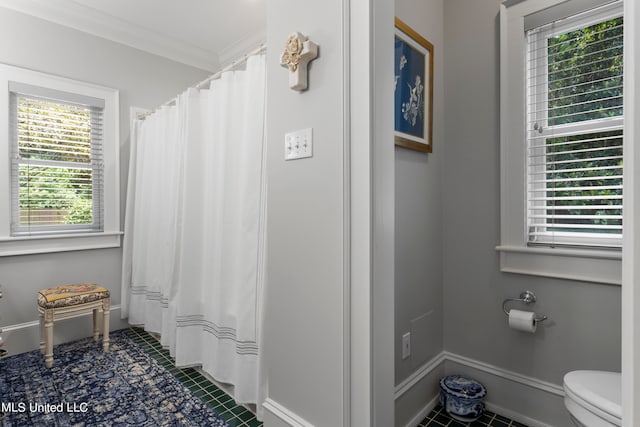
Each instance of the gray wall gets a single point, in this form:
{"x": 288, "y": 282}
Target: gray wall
{"x": 144, "y": 80}
{"x": 303, "y": 331}
{"x": 584, "y": 327}
{"x": 419, "y": 236}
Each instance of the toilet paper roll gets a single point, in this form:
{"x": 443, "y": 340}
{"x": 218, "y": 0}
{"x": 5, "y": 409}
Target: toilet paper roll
{"x": 522, "y": 320}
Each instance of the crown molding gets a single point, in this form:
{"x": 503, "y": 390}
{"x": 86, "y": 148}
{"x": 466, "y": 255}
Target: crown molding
{"x": 240, "y": 48}
{"x": 72, "y": 14}
{"x": 509, "y": 3}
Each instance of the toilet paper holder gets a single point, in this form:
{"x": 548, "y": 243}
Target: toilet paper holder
{"x": 526, "y": 297}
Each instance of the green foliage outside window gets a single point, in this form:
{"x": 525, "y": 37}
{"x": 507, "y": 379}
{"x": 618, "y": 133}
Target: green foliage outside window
{"x": 48, "y": 133}
{"x": 585, "y": 73}
{"x": 585, "y": 76}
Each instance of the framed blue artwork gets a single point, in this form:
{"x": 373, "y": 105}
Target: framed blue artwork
{"x": 413, "y": 89}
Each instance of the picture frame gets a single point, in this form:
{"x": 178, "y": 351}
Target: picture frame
{"x": 413, "y": 89}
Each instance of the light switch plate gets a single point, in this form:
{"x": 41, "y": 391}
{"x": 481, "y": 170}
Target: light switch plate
{"x": 298, "y": 144}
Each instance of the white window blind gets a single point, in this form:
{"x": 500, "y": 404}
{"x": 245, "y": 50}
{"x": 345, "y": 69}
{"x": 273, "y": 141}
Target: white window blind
{"x": 57, "y": 161}
{"x": 574, "y": 130}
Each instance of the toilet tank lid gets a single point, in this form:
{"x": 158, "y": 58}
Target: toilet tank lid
{"x": 598, "y": 388}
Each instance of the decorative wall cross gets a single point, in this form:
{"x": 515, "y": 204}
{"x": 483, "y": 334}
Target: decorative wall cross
{"x": 298, "y": 52}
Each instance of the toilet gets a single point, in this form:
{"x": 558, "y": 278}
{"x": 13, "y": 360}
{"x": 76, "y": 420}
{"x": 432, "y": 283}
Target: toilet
{"x": 594, "y": 398}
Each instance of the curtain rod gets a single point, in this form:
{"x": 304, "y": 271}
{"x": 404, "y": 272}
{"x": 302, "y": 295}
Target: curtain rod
{"x": 214, "y": 76}
{"x": 232, "y": 65}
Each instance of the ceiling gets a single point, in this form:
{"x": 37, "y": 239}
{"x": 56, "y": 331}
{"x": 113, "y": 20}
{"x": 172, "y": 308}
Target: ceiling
{"x": 206, "y": 34}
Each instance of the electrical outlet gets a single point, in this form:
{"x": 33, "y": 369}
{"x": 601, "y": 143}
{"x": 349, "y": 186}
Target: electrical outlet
{"x": 406, "y": 345}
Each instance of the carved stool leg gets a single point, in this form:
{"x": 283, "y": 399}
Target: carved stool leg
{"x": 42, "y": 332}
{"x": 48, "y": 327}
{"x": 106, "y": 303}
{"x": 95, "y": 324}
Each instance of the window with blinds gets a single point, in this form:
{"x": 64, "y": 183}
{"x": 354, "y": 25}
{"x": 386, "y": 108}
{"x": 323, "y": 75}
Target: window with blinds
{"x": 574, "y": 130}
{"x": 57, "y": 165}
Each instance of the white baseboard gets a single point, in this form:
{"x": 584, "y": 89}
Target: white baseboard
{"x": 276, "y": 415}
{"x": 35, "y": 323}
{"x": 503, "y": 373}
{"x": 419, "y": 375}
{"x": 423, "y": 413}
{"x": 516, "y": 416}
{"x": 516, "y": 385}
{"x": 24, "y": 337}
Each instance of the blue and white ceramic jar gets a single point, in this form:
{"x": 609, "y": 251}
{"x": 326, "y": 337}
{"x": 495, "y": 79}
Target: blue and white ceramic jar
{"x": 462, "y": 397}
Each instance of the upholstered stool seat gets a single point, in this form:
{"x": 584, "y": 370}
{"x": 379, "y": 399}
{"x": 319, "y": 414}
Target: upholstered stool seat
{"x": 68, "y": 301}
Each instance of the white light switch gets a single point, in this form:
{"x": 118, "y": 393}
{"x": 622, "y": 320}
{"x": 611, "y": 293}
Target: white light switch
{"x": 298, "y": 144}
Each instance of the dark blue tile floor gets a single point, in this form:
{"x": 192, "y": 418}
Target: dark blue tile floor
{"x": 439, "y": 418}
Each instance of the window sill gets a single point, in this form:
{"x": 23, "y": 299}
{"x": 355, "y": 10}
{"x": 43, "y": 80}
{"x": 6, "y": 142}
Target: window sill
{"x": 11, "y": 246}
{"x": 597, "y": 266}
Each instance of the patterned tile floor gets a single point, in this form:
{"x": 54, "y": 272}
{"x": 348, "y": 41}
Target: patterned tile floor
{"x": 439, "y": 418}
{"x": 235, "y": 415}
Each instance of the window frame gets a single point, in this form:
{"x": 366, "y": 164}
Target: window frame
{"x": 95, "y": 109}
{"x": 539, "y": 79}
{"x": 516, "y": 256}
{"x": 109, "y": 236}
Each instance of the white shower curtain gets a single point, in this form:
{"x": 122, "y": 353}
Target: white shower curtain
{"x": 194, "y": 229}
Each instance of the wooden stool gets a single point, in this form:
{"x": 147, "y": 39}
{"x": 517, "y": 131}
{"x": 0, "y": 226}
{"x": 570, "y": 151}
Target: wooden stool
{"x": 66, "y": 302}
